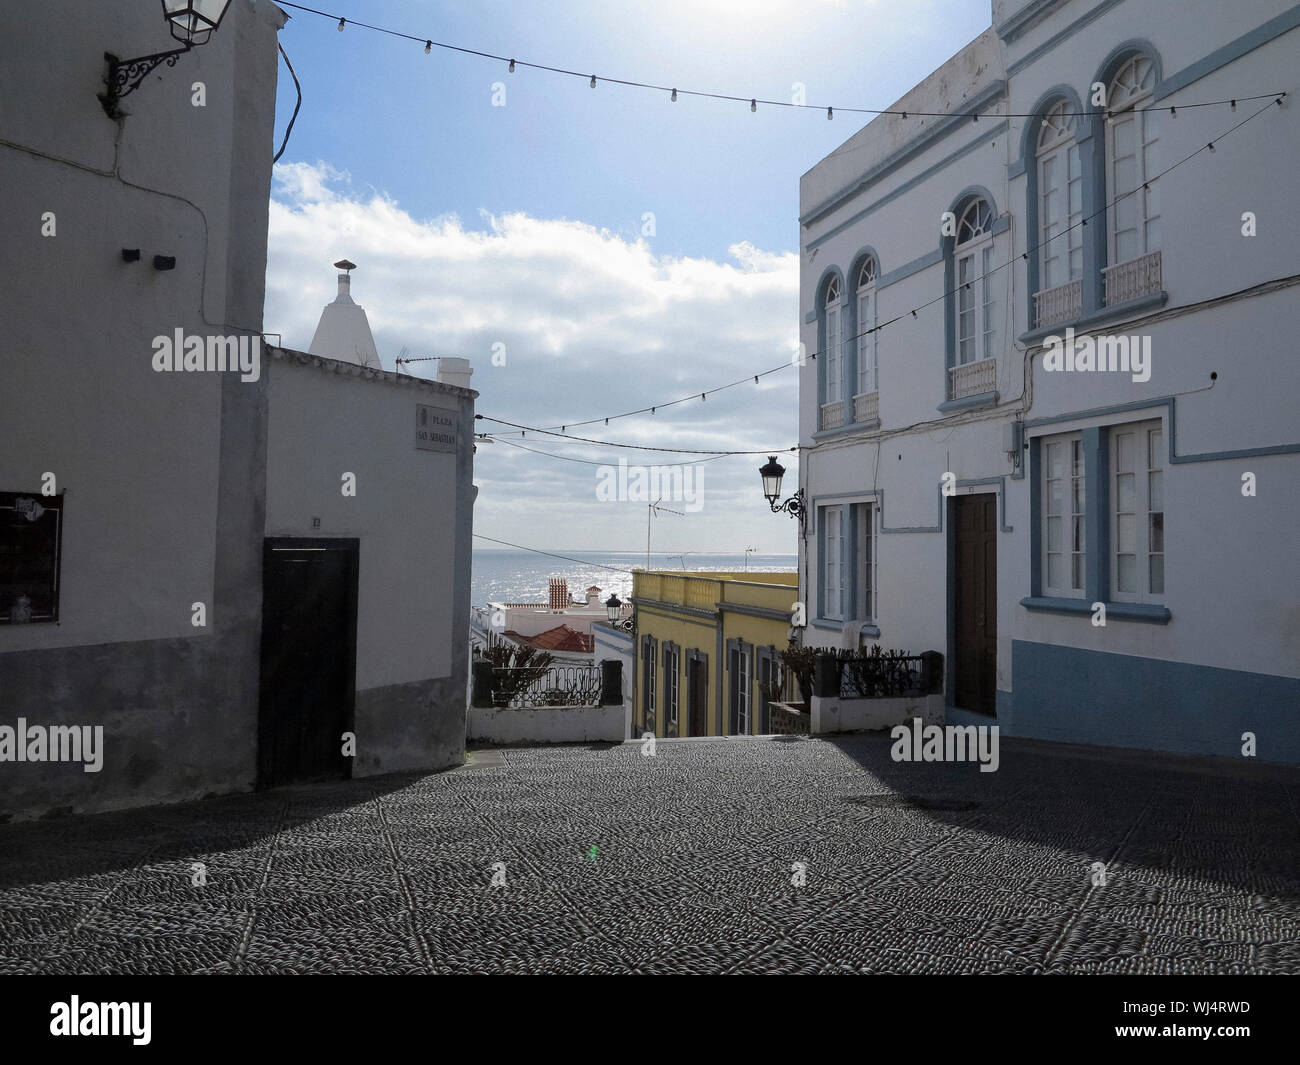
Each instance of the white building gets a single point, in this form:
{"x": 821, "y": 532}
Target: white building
{"x": 224, "y": 570}
{"x": 344, "y": 330}
{"x": 967, "y": 496}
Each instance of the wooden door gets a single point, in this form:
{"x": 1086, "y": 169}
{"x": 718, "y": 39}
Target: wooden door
{"x": 976, "y": 605}
{"x": 309, "y": 651}
{"x": 697, "y": 685}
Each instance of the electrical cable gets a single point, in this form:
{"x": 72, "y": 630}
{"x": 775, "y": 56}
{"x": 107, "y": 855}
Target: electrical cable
{"x": 548, "y": 554}
{"x": 294, "y": 117}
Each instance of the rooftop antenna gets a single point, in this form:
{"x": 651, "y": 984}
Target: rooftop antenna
{"x": 653, "y": 510}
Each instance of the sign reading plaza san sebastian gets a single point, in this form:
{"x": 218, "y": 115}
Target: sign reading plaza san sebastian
{"x": 436, "y": 428}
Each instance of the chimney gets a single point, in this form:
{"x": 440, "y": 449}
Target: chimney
{"x": 454, "y": 372}
{"x": 593, "y": 596}
{"x": 559, "y": 595}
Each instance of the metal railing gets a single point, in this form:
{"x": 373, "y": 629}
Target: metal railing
{"x": 884, "y": 677}
{"x": 531, "y": 686}
{"x": 972, "y": 379}
{"x": 1137, "y": 277}
{"x": 1064, "y": 303}
{"x": 866, "y": 407}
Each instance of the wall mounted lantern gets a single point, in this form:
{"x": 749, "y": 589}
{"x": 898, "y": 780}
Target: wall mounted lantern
{"x": 191, "y": 23}
{"x": 613, "y": 608}
{"x": 772, "y": 472}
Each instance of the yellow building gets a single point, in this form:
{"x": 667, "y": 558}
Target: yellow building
{"x": 706, "y": 650}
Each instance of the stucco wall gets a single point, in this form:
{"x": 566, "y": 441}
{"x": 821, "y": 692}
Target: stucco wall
{"x": 412, "y": 514}
{"x": 543, "y": 725}
{"x": 161, "y": 472}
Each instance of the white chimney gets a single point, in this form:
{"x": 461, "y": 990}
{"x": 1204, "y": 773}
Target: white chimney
{"x": 455, "y": 372}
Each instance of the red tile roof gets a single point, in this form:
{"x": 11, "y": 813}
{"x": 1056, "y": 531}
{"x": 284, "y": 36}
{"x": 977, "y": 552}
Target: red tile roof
{"x": 560, "y": 638}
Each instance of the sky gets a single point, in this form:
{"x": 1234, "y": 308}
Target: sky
{"x": 590, "y": 251}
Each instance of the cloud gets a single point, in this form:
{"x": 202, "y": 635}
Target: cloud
{"x": 593, "y": 324}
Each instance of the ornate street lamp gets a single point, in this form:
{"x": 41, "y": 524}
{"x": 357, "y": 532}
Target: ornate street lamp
{"x": 191, "y": 23}
{"x": 613, "y": 609}
{"x": 772, "y": 473}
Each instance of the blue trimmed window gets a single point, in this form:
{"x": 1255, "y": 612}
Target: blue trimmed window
{"x": 972, "y": 304}
{"x": 866, "y": 368}
{"x": 1097, "y": 521}
{"x": 831, "y": 359}
{"x": 1133, "y": 222}
{"x": 1060, "y": 215}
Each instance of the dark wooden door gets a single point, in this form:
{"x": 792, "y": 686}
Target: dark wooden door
{"x": 697, "y": 672}
{"x": 976, "y": 586}
{"x": 309, "y": 651}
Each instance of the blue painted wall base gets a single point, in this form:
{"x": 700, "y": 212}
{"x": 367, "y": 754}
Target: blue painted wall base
{"x": 1078, "y": 696}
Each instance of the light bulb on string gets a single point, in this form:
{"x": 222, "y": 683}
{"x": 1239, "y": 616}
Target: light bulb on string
{"x": 511, "y": 68}
{"x": 753, "y": 105}
{"x": 342, "y": 22}
{"x": 593, "y": 81}
{"x": 428, "y": 47}
{"x": 673, "y": 98}
{"x": 830, "y": 113}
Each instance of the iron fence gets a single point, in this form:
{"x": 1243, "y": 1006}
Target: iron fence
{"x": 533, "y": 686}
{"x": 885, "y": 676}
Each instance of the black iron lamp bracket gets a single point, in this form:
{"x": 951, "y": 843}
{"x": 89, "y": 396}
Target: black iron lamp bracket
{"x": 126, "y": 75}
{"x": 794, "y": 506}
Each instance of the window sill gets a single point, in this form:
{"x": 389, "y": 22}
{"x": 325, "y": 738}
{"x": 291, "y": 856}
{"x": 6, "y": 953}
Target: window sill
{"x": 848, "y": 429}
{"x": 1144, "y": 612}
{"x": 1099, "y": 317}
{"x": 983, "y": 399}
{"x": 866, "y": 628}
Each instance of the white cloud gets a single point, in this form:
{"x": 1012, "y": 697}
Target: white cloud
{"x": 594, "y": 324}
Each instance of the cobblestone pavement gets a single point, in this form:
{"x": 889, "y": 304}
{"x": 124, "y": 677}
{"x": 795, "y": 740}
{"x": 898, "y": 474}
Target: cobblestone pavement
{"x": 909, "y": 868}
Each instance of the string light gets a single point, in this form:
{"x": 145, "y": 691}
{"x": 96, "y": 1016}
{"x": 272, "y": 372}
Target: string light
{"x": 631, "y": 447}
{"x": 830, "y": 113}
{"x": 511, "y": 68}
{"x": 812, "y": 356}
{"x": 974, "y": 116}
{"x": 674, "y": 96}
{"x": 428, "y": 47}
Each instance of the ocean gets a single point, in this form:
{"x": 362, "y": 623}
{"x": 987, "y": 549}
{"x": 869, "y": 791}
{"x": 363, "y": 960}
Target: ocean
{"x": 508, "y": 576}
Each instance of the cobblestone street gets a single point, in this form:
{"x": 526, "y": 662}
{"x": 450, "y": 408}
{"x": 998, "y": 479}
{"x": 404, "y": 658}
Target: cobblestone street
{"x": 910, "y": 868}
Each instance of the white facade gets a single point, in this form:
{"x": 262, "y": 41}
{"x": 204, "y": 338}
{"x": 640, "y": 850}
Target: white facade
{"x": 1198, "y": 581}
{"x": 171, "y": 487}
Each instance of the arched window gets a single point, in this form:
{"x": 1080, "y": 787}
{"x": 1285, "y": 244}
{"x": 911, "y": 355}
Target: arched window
{"x": 1131, "y": 138}
{"x": 833, "y": 341}
{"x": 865, "y": 292}
{"x": 1060, "y": 200}
{"x": 976, "y": 317}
